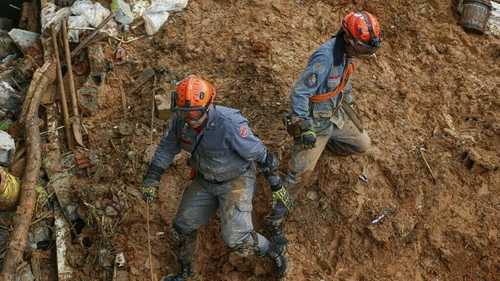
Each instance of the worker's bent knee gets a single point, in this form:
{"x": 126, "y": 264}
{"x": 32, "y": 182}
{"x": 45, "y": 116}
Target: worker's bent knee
{"x": 242, "y": 244}
{"x": 184, "y": 226}
{"x": 363, "y": 144}
{"x": 234, "y": 239}
{"x": 358, "y": 145}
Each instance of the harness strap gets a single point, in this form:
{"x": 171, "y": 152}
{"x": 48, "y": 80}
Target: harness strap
{"x": 348, "y": 70}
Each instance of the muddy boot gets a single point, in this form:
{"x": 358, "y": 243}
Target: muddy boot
{"x": 183, "y": 275}
{"x": 280, "y": 261}
{"x": 185, "y": 251}
{"x": 275, "y": 225}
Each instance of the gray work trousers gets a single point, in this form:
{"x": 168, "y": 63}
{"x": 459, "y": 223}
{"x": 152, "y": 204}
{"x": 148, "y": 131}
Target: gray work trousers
{"x": 345, "y": 141}
{"x": 201, "y": 200}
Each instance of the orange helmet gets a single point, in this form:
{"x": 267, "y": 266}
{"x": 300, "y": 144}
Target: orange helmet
{"x": 193, "y": 94}
{"x": 364, "y": 29}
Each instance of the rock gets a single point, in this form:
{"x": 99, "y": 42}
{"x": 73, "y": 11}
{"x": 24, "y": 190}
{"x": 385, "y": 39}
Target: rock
{"x": 111, "y": 212}
{"x": 404, "y": 224}
{"x": 480, "y": 161}
{"x": 312, "y": 195}
{"x": 381, "y": 232}
{"x": 39, "y": 235}
{"x": 125, "y": 129}
{"x": 259, "y": 269}
{"x": 120, "y": 260}
{"x": 105, "y": 258}
{"x": 131, "y": 155}
{"x": 149, "y": 153}
{"x": 24, "y": 39}
{"x": 163, "y": 106}
{"x": 88, "y": 98}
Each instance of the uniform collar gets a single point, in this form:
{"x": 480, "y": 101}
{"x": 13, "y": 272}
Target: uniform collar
{"x": 212, "y": 121}
{"x": 339, "y": 56}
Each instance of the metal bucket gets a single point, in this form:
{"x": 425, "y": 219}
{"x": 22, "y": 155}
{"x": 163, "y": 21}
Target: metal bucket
{"x": 9, "y": 190}
{"x": 476, "y": 14}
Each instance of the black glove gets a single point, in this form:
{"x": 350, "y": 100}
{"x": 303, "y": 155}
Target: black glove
{"x": 270, "y": 165}
{"x": 308, "y": 139}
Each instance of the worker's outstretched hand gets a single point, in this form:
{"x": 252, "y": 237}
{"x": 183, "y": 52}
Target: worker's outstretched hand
{"x": 149, "y": 190}
{"x": 281, "y": 195}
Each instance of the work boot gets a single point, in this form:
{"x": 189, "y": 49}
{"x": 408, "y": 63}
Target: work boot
{"x": 280, "y": 262}
{"x": 186, "y": 244}
{"x": 183, "y": 275}
{"x": 274, "y": 223}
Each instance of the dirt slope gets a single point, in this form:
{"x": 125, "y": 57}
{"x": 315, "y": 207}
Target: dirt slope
{"x": 432, "y": 86}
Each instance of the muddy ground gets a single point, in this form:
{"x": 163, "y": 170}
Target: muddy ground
{"x": 432, "y": 88}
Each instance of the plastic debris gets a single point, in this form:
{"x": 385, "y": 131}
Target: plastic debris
{"x": 123, "y": 14}
{"x": 10, "y": 101}
{"x": 7, "y": 148}
{"x": 52, "y": 17}
{"x": 7, "y": 45}
{"x": 385, "y": 212}
{"x": 24, "y": 39}
{"x": 157, "y": 14}
{"x": 120, "y": 272}
{"x": 163, "y": 106}
{"x": 87, "y": 14}
{"x": 9, "y": 190}
{"x": 63, "y": 239}
{"x": 494, "y": 21}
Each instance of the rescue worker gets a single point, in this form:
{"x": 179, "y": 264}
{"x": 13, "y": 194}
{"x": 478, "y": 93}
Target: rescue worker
{"x": 223, "y": 155}
{"x": 321, "y": 115}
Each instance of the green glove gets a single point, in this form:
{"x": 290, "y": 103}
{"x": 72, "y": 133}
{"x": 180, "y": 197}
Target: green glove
{"x": 150, "y": 193}
{"x": 282, "y": 195}
{"x": 308, "y": 139}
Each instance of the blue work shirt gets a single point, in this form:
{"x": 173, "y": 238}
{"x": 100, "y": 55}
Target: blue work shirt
{"x": 225, "y": 148}
{"x": 322, "y": 75}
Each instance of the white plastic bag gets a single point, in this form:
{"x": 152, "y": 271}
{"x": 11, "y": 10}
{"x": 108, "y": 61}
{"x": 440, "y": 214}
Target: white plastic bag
{"x": 154, "y": 20}
{"x": 89, "y": 14}
{"x": 94, "y": 13}
{"x": 157, "y": 14}
{"x": 494, "y": 21}
{"x": 75, "y": 25}
{"x": 171, "y": 5}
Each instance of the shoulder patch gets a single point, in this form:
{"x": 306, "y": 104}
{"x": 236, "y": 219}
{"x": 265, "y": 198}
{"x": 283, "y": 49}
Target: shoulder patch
{"x": 243, "y": 131}
{"x": 311, "y": 80}
{"x": 317, "y": 67}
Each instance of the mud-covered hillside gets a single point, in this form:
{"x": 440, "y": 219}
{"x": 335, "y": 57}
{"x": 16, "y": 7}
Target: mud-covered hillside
{"x": 432, "y": 90}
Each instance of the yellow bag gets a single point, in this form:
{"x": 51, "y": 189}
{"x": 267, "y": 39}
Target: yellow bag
{"x": 9, "y": 190}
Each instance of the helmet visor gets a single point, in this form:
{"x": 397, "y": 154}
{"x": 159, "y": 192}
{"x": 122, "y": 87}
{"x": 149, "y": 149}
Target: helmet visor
{"x": 191, "y": 115}
{"x": 361, "y": 48}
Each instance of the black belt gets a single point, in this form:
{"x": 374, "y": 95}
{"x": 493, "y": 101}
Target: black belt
{"x": 214, "y": 181}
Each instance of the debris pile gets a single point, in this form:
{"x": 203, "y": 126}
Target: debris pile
{"x": 64, "y": 66}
